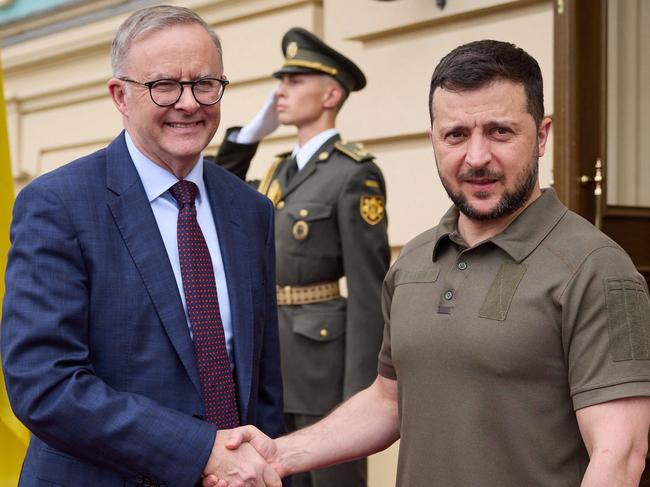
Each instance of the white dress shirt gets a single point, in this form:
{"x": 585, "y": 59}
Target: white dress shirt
{"x": 304, "y": 153}
{"x": 157, "y": 181}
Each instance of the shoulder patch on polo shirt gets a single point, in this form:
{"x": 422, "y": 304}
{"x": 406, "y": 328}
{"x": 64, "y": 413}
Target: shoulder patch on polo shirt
{"x": 628, "y": 319}
{"x": 499, "y": 296}
{"x": 405, "y": 276}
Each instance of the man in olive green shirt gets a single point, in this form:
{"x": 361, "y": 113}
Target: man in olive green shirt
{"x": 516, "y": 345}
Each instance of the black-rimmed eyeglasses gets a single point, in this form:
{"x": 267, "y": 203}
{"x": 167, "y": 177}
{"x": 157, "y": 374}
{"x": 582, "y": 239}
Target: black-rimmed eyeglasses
{"x": 167, "y": 92}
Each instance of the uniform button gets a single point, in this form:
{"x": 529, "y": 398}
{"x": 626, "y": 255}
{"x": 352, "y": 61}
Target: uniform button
{"x": 280, "y": 205}
{"x": 303, "y": 213}
{"x": 323, "y": 155}
{"x": 449, "y": 295}
{"x": 462, "y": 266}
{"x": 324, "y": 333}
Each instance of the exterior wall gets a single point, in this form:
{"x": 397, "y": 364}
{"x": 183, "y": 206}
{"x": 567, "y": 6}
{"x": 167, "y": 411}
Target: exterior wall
{"x": 58, "y": 105}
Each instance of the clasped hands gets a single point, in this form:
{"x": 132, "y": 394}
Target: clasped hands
{"x": 243, "y": 457}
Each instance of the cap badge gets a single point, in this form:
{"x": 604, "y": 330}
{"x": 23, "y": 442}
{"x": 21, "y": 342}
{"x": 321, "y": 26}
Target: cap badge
{"x": 292, "y": 49}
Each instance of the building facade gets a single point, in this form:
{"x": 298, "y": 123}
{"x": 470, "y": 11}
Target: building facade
{"x": 56, "y": 64}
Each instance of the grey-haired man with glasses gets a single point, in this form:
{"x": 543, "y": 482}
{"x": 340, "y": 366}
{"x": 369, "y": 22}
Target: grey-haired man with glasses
{"x": 139, "y": 320}
{"x": 167, "y": 92}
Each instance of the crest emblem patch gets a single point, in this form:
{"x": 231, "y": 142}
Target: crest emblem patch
{"x": 372, "y": 208}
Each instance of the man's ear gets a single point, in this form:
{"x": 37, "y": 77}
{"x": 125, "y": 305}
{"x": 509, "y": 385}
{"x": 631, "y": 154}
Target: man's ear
{"x": 333, "y": 96}
{"x": 542, "y": 135}
{"x": 117, "y": 89}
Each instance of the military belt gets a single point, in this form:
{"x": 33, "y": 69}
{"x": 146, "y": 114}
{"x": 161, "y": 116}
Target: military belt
{"x": 314, "y": 293}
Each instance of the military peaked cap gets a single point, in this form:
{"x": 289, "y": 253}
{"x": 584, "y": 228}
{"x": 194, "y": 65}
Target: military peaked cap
{"x": 306, "y": 53}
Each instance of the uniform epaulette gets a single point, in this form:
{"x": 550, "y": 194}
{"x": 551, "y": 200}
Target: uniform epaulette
{"x": 354, "y": 150}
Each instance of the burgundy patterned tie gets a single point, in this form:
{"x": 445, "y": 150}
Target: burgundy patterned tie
{"x": 215, "y": 374}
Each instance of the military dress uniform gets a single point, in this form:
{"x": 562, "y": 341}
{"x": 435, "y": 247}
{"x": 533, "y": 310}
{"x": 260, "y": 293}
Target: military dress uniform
{"x": 330, "y": 222}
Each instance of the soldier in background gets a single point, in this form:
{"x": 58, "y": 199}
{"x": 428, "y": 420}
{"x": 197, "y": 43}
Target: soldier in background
{"x": 330, "y": 222}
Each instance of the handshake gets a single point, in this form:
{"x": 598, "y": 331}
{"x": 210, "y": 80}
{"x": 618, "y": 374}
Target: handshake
{"x": 244, "y": 457}
{"x": 364, "y": 424}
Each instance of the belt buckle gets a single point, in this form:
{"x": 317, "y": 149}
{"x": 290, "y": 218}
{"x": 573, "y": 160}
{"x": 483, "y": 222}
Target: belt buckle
{"x": 287, "y": 294}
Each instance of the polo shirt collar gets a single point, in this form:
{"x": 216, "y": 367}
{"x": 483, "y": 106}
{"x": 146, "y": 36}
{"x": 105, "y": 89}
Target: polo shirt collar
{"x": 521, "y": 237}
{"x": 447, "y": 230}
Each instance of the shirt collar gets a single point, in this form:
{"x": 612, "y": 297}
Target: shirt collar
{"x": 521, "y": 237}
{"x": 156, "y": 179}
{"x": 304, "y": 154}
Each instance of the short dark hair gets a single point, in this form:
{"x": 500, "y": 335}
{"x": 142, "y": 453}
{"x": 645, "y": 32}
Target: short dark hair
{"x": 477, "y": 64}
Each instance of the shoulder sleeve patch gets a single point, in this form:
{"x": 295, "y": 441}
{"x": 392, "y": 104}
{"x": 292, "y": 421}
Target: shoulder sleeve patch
{"x": 628, "y": 317}
{"x": 354, "y": 150}
{"x": 372, "y": 208}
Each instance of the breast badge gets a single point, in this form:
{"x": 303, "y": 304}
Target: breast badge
{"x": 300, "y": 230}
{"x": 372, "y": 208}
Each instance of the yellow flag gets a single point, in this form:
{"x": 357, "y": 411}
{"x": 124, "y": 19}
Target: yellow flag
{"x": 13, "y": 435}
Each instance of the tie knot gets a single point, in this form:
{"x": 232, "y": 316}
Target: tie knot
{"x": 184, "y": 192}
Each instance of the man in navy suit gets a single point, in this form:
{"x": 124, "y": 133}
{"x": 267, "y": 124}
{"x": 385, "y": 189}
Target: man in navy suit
{"x": 99, "y": 342}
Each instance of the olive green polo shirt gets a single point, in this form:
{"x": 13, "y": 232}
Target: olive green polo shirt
{"x": 494, "y": 347}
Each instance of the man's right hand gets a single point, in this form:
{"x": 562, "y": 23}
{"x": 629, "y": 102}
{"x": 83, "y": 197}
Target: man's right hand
{"x": 366, "y": 423}
{"x": 241, "y": 465}
{"x": 264, "y": 123}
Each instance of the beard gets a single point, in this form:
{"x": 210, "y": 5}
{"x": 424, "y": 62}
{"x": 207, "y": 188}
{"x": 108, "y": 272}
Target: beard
{"x": 510, "y": 201}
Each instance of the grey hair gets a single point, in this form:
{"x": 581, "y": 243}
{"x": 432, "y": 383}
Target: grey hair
{"x": 148, "y": 20}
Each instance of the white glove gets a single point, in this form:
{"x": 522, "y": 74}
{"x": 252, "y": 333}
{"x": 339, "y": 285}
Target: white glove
{"x": 265, "y": 122}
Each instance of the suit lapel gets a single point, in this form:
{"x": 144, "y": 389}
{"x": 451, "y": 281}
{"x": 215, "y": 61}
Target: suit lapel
{"x": 233, "y": 244}
{"x": 134, "y": 218}
{"x": 309, "y": 169}
{"x": 284, "y": 173}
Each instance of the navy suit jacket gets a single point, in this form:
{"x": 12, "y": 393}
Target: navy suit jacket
{"x": 97, "y": 356}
